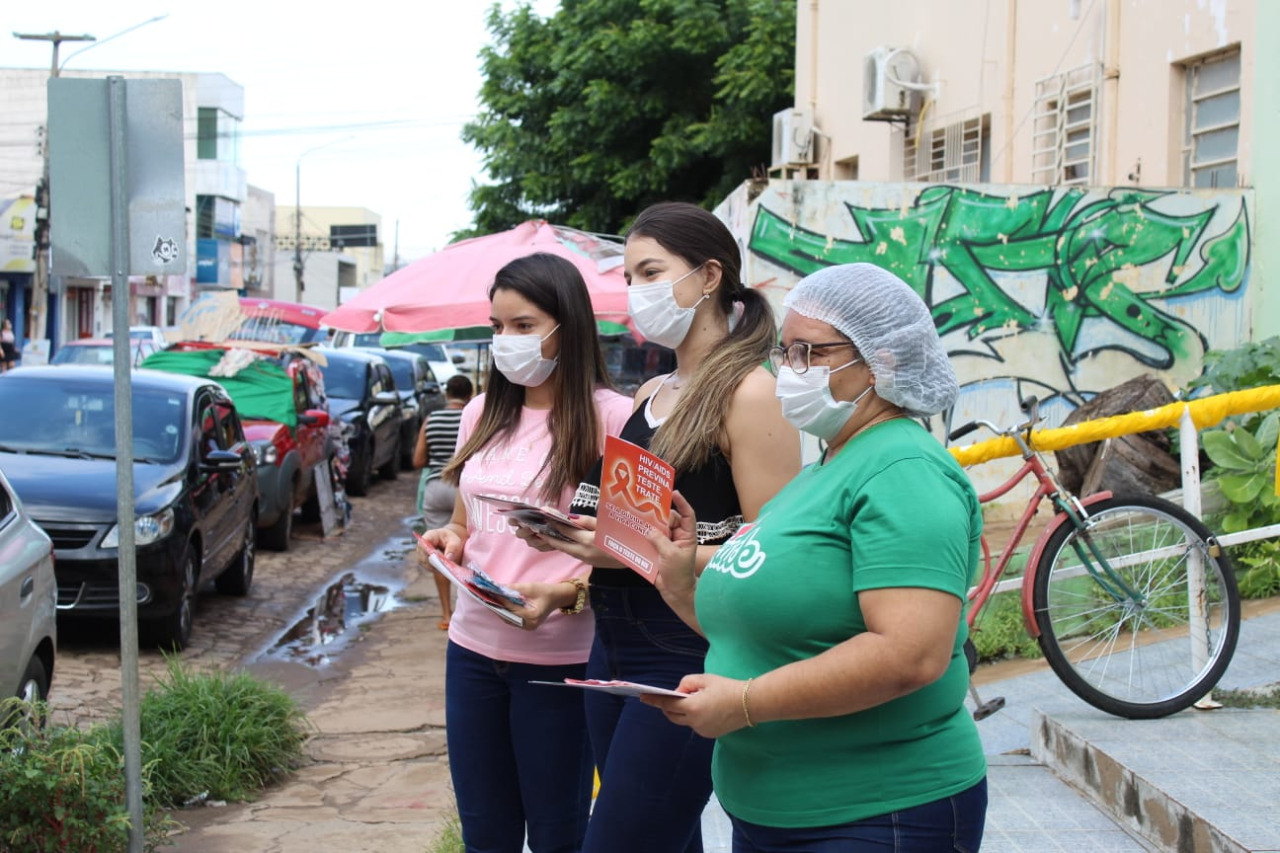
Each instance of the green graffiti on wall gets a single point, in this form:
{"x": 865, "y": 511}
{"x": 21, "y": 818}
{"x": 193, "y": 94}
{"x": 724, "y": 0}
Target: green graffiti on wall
{"x": 1089, "y": 248}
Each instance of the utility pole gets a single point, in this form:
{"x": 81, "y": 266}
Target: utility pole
{"x": 40, "y": 288}
{"x": 297, "y": 232}
{"x": 298, "y": 265}
{"x": 395, "y": 257}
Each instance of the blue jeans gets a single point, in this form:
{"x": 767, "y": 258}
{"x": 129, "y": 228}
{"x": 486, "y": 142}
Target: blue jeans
{"x": 518, "y": 754}
{"x": 950, "y": 824}
{"x": 655, "y": 777}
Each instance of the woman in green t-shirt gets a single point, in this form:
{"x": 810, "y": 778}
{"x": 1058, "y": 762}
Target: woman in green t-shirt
{"x": 836, "y": 675}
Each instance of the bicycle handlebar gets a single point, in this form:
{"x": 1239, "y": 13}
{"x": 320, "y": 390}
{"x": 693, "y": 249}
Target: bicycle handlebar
{"x": 1031, "y": 406}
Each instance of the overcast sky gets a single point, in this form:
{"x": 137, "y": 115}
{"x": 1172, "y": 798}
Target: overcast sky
{"x": 384, "y": 86}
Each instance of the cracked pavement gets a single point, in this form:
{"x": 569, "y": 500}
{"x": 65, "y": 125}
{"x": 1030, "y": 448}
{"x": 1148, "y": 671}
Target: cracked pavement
{"x": 375, "y": 775}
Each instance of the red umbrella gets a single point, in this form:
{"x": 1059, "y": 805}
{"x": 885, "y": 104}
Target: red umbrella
{"x": 450, "y": 289}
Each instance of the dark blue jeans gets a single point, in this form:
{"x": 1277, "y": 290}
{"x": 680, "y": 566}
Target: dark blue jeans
{"x": 518, "y": 754}
{"x": 655, "y": 777}
{"x": 949, "y": 824}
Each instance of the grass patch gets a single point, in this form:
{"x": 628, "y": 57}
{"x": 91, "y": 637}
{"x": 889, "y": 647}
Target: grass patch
{"x": 1267, "y": 697}
{"x": 64, "y": 789}
{"x": 449, "y": 840}
{"x": 224, "y": 734}
{"x": 1000, "y": 632}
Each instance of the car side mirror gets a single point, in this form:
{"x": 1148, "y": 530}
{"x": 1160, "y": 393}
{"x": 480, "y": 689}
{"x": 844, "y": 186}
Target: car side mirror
{"x": 458, "y": 359}
{"x": 387, "y": 398}
{"x": 314, "y": 417}
{"x": 222, "y": 460}
{"x": 431, "y": 388}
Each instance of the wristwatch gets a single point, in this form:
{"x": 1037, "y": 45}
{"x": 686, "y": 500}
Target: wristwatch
{"x": 580, "y": 601}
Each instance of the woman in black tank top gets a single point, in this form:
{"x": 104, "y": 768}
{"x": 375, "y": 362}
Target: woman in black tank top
{"x": 718, "y": 422}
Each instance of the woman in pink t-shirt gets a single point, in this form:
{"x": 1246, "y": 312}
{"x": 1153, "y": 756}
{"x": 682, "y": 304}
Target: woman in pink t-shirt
{"x": 519, "y": 755}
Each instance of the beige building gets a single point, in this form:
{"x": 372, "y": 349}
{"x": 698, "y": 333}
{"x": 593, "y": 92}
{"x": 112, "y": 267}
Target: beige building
{"x": 1152, "y": 93}
{"x": 359, "y": 266}
{"x": 1070, "y": 185}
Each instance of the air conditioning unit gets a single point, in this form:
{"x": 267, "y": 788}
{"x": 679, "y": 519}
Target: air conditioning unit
{"x": 885, "y": 70}
{"x": 793, "y": 138}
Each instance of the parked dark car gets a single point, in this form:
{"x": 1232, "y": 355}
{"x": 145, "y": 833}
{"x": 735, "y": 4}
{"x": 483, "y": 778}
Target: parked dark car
{"x": 285, "y": 419}
{"x": 420, "y": 394}
{"x": 195, "y": 489}
{"x": 362, "y": 396}
{"x": 28, "y": 629}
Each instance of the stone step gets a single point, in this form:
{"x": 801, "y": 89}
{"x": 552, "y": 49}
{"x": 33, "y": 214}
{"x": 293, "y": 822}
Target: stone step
{"x": 1203, "y": 781}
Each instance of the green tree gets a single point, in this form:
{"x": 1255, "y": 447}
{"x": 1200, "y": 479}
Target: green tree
{"x": 610, "y": 105}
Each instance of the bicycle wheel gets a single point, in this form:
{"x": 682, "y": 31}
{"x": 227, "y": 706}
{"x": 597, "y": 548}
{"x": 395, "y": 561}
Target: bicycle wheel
{"x": 1147, "y": 639}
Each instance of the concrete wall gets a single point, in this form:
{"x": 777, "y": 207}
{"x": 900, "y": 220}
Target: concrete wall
{"x": 1057, "y": 292}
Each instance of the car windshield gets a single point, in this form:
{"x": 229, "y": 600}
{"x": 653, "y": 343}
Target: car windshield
{"x": 402, "y": 372}
{"x": 274, "y": 331}
{"x": 344, "y": 378}
{"x": 77, "y": 419}
{"x": 89, "y": 354}
{"x": 431, "y": 352}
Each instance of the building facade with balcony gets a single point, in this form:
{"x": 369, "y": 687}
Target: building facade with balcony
{"x": 1075, "y": 188}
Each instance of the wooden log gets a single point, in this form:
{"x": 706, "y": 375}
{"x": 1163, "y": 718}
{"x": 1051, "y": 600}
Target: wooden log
{"x": 1141, "y": 463}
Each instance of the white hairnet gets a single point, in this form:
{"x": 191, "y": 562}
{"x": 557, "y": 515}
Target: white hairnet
{"x": 891, "y": 327}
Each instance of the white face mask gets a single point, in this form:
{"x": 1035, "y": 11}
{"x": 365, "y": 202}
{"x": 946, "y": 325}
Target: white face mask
{"x": 807, "y": 402}
{"x": 519, "y": 358}
{"x": 656, "y": 313}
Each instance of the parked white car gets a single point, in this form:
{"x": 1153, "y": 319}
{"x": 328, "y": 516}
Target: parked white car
{"x": 155, "y": 334}
{"x": 28, "y": 603}
{"x": 437, "y": 356}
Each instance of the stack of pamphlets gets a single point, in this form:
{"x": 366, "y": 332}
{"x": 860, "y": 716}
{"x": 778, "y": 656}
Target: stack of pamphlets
{"x": 473, "y": 582}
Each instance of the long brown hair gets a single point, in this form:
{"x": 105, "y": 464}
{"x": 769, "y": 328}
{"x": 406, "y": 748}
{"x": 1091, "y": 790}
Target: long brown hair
{"x": 555, "y": 286}
{"x": 695, "y": 427}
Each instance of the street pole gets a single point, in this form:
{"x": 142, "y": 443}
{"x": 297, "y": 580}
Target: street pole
{"x": 298, "y": 265}
{"x": 297, "y": 232}
{"x": 40, "y": 286}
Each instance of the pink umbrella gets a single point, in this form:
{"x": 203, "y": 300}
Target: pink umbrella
{"x": 450, "y": 289}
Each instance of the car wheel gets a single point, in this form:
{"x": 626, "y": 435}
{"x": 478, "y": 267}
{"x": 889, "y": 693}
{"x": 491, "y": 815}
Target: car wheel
{"x": 390, "y": 469}
{"x": 361, "y": 471}
{"x": 238, "y": 577}
{"x": 276, "y": 537}
{"x": 33, "y": 689}
{"x": 174, "y": 630}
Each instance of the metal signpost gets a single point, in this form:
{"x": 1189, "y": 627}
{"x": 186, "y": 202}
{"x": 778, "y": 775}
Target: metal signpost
{"x": 117, "y": 159}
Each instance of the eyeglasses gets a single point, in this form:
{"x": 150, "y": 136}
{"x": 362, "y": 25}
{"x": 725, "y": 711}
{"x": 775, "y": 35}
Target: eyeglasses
{"x": 798, "y": 354}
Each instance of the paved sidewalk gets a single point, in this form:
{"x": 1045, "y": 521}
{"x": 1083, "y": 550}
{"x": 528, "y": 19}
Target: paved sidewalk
{"x": 377, "y": 776}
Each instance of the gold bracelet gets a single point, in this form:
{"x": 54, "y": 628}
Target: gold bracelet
{"x": 580, "y": 601}
{"x": 746, "y": 688}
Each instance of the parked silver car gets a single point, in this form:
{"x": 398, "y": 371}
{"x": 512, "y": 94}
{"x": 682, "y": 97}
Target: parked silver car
{"x": 28, "y": 595}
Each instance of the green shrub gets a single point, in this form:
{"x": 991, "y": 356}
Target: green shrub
{"x": 224, "y": 734}
{"x": 1000, "y": 631}
{"x": 1257, "y": 568}
{"x": 1248, "y": 366}
{"x": 63, "y": 789}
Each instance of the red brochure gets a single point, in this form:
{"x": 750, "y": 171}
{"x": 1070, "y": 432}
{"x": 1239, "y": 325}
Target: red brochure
{"x": 635, "y": 496}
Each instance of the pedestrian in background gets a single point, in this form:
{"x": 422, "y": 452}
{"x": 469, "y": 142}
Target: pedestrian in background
{"x": 8, "y": 346}
{"x": 519, "y": 755}
{"x": 717, "y": 420}
{"x": 437, "y": 441}
{"x": 836, "y": 676}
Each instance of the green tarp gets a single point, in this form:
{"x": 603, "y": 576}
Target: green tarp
{"x": 262, "y": 390}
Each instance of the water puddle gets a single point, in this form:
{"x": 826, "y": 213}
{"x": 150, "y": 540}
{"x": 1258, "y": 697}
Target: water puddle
{"x": 333, "y": 620}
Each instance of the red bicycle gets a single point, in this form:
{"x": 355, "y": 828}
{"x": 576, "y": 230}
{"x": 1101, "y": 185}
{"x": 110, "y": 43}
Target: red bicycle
{"x": 1131, "y": 598}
